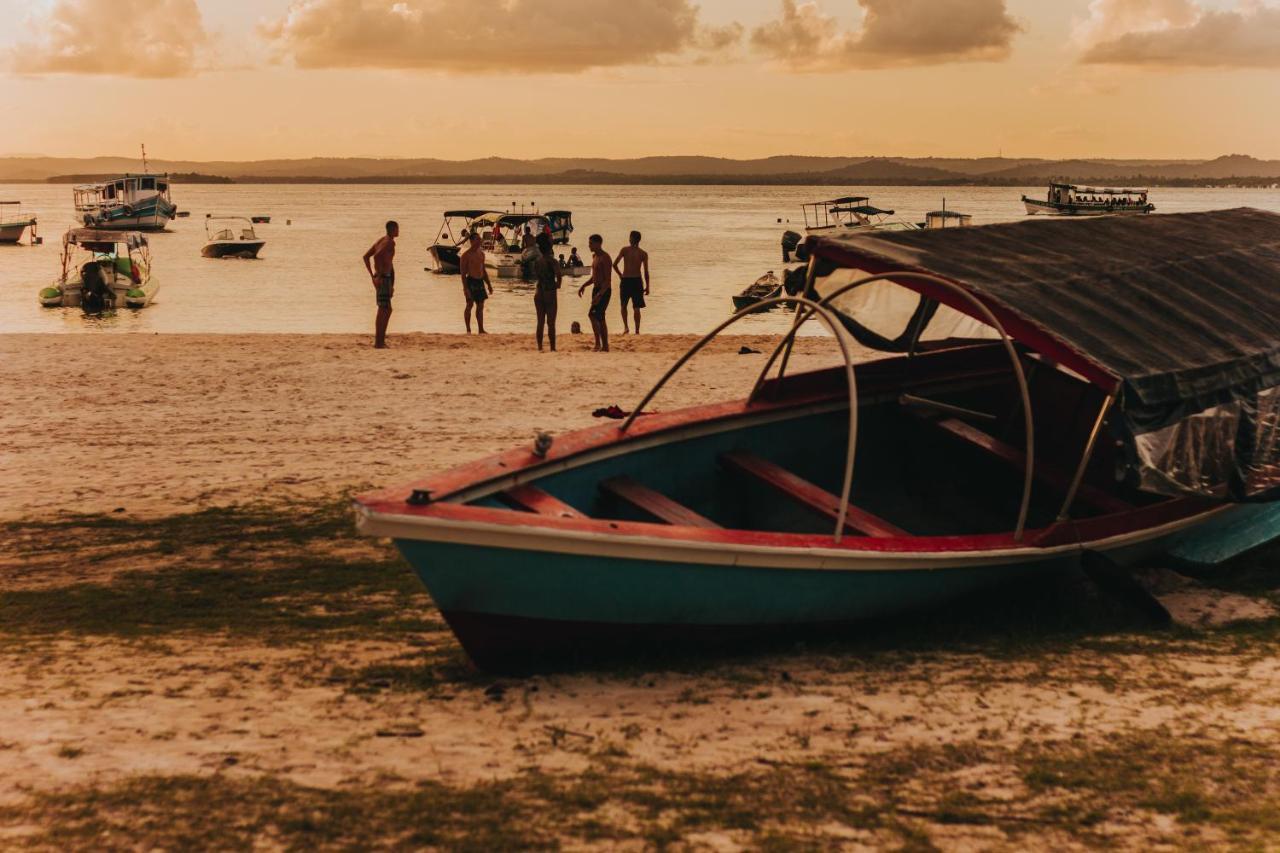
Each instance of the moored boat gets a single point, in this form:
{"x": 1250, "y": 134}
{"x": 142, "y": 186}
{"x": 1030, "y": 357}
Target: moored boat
{"x": 230, "y": 237}
{"x": 15, "y": 223}
{"x": 839, "y": 215}
{"x": 561, "y": 224}
{"x": 765, "y": 287}
{"x": 128, "y": 203}
{"x": 102, "y": 270}
{"x": 451, "y": 240}
{"x": 1010, "y": 430}
{"x": 1071, "y": 200}
{"x": 503, "y": 236}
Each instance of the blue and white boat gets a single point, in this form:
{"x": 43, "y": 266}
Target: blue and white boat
{"x": 140, "y": 202}
{"x": 1030, "y": 416}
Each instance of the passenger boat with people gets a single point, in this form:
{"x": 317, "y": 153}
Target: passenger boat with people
{"x": 14, "y": 223}
{"x": 765, "y": 287}
{"x": 230, "y": 237}
{"x": 503, "y": 237}
{"x": 451, "y": 239}
{"x": 1071, "y": 200}
{"x": 102, "y": 270}
{"x": 127, "y": 203}
{"x": 1025, "y": 419}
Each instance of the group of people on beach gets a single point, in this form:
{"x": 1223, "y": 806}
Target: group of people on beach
{"x": 631, "y": 266}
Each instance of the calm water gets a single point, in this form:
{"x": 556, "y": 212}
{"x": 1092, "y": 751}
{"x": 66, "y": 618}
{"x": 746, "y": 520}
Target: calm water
{"x": 706, "y": 243}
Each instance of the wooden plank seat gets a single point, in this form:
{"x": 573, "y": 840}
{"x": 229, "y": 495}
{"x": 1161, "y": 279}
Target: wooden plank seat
{"x": 803, "y": 492}
{"x": 1050, "y": 476}
{"x": 533, "y": 499}
{"x": 654, "y": 503}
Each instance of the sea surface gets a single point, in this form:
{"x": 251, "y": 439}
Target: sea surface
{"x": 705, "y": 244}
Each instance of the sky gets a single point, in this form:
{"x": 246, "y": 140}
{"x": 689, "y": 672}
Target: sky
{"x": 460, "y": 79}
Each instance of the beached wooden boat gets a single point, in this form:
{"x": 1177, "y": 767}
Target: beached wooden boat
{"x": 1027, "y": 416}
{"x": 765, "y": 287}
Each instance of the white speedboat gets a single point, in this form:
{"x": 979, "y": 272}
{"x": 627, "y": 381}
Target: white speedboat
{"x": 230, "y": 237}
{"x": 503, "y": 239}
{"x": 1071, "y": 200}
{"x": 452, "y": 237}
{"x": 102, "y": 270}
{"x": 13, "y": 225}
{"x": 845, "y": 215}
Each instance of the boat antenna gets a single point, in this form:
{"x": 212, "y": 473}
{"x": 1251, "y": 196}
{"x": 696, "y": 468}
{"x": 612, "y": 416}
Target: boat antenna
{"x": 144, "y": 158}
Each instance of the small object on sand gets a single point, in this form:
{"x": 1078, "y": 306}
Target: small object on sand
{"x": 495, "y": 692}
{"x": 575, "y": 328}
{"x": 745, "y": 350}
{"x": 401, "y": 731}
{"x": 118, "y": 509}
{"x": 542, "y": 443}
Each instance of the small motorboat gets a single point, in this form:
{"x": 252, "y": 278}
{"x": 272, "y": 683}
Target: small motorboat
{"x": 765, "y": 287}
{"x": 102, "y": 270}
{"x": 14, "y": 225}
{"x": 230, "y": 237}
{"x": 260, "y": 219}
{"x": 181, "y": 214}
{"x": 1013, "y": 429}
{"x": 452, "y": 237}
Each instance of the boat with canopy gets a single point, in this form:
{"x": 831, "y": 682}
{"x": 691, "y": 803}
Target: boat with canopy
{"x": 503, "y": 234}
{"x": 230, "y": 237}
{"x": 1025, "y": 416}
{"x": 1071, "y": 200}
{"x": 844, "y": 214}
{"x": 102, "y": 270}
{"x": 451, "y": 239}
{"x": 127, "y": 203}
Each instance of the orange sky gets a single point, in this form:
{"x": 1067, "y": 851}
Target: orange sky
{"x": 250, "y": 79}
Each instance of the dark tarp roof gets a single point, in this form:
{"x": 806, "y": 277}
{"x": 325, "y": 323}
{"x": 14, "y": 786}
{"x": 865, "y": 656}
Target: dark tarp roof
{"x": 864, "y": 209}
{"x": 465, "y": 214}
{"x": 1183, "y": 310}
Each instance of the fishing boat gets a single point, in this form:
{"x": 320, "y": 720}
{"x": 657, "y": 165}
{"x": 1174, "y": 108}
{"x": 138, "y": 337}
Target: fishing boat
{"x": 230, "y": 237}
{"x": 1022, "y": 419}
{"x": 451, "y": 240}
{"x": 1071, "y": 200}
{"x": 561, "y": 224}
{"x": 14, "y": 222}
{"x": 102, "y": 270}
{"x": 765, "y": 287}
{"x": 127, "y": 203}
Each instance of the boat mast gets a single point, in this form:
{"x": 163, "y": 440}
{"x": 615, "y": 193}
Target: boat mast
{"x": 144, "y": 158}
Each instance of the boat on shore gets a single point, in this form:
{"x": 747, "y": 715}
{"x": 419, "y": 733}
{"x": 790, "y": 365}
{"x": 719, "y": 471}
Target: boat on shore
{"x": 1071, "y": 200}
{"x": 14, "y": 223}
{"x": 102, "y": 270}
{"x": 128, "y": 203}
{"x": 230, "y": 237}
{"x": 765, "y": 287}
{"x": 1009, "y": 430}
{"x": 451, "y": 239}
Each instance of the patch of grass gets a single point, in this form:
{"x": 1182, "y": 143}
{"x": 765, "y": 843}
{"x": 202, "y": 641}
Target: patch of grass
{"x": 271, "y": 572}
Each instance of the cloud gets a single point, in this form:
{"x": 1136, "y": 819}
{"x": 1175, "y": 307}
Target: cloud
{"x": 129, "y": 38}
{"x": 1181, "y": 34}
{"x": 500, "y": 36}
{"x": 893, "y": 33}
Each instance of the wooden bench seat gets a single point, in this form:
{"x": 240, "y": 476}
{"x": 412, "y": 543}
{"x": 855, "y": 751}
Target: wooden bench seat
{"x": 533, "y": 499}
{"x": 803, "y": 492}
{"x": 654, "y": 503}
{"x": 1050, "y": 476}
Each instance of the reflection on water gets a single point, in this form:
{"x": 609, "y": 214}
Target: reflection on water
{"x": 706, "y": 244}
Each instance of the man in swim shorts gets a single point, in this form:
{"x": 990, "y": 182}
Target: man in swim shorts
{"x": 476, "y": 286}
{"x": 635, "y": 262}
{"x": 383, "y": 273}
{"x": 601, "y": 290}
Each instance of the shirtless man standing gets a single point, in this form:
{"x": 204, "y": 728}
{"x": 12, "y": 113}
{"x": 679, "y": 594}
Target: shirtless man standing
{"x": 383, "y": 273}
{"x": 634, "y": 261}
{"x": 601, "y": 290}
{"x": 476, "y": 286}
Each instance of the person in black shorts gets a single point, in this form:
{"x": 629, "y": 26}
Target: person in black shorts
{"x": 634, "y": 275}
{"x": 383, "y": 273}
{"x": 601, "y": 290}
{"x": 476, "y": 287}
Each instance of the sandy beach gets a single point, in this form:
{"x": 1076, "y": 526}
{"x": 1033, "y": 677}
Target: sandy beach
{"x": 195, "y": 644}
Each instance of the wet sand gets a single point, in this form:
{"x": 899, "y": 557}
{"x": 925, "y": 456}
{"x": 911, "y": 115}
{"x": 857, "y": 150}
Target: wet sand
{"x": 158, "y": 668}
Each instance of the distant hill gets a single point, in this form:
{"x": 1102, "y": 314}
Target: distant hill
{"x": 790, "y": 169}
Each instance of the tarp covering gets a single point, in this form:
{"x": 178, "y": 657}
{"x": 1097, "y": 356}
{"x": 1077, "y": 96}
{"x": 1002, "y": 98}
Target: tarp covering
{"x": 1180, "y": 313}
